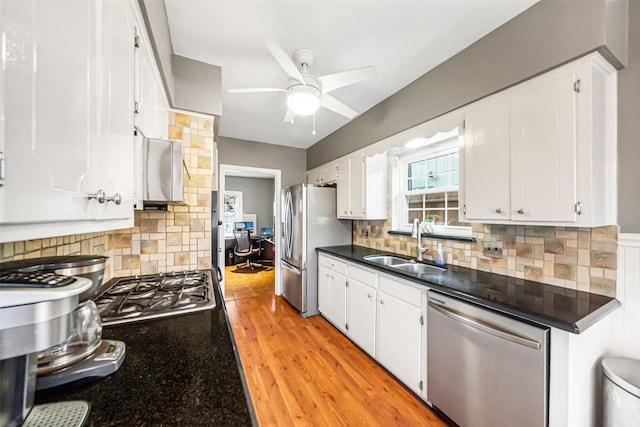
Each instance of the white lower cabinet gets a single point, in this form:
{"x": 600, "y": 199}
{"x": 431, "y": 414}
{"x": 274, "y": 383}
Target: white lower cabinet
{"x": 332, "y": 291}
{"x": 401, "y": 332}
{"x": 384, "y": 316}
{"x": 361, "y": 308}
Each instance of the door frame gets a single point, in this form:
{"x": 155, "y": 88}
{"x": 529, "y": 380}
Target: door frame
{"x": 248, "y": 171}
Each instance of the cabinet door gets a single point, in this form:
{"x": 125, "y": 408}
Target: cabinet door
{"x": 148, "y": 94}
{"x": 543, "y": 152}
{"x": 332, "y": 296}
{"x": 361, "y": 315}
{"x": 50, "y": 98}
{"x": 314, "y": 176}
{"x": 356, "y": 186}
{"x": 400, "y": 339}
{"x": 343, "y": 188}
{"x": 116, "y": 145}
{"x": 486, "y": 162}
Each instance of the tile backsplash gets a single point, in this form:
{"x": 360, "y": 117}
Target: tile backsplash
{"x": 574, "y": 258}
{"x": 160, "y": 241}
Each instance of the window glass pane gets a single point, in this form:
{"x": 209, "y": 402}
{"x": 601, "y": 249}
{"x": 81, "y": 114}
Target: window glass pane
{"x": 453, "y": 178}
{"x": 453, "y": 218}
{"x": 434, "y": 201}
{"x": 414, "y": 202}
{"x": 416, "y": 169}
{"x": 416, "y": 184}
{"x": 439, "y": 212}
{"x": 453, "y": 162}
{"x": 452, "y": 200}
{"x": 414, "y": 214}
{"x": 441, "y": 164}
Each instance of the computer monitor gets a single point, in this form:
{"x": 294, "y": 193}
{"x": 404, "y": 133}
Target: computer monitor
{"x": 249, "y": 226}
{"x": 239, "y": 225}
{"x": 266, "y": 231}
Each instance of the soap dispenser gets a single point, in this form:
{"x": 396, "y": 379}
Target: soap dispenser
{"x": 439, "y": 255}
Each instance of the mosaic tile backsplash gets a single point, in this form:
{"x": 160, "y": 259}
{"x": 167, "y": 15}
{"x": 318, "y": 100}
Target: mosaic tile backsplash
{"x": 175, "y": 240}
{"x": 574, "y": 258}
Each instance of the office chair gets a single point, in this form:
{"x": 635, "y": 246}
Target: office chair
{"x": 244, "y": 249}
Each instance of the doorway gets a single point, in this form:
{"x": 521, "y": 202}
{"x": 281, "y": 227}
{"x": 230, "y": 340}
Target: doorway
{"x": 228, "y": 175}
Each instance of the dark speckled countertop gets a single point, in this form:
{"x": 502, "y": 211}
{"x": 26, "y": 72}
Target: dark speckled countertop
{"x": 561, "y": 308}
{"x": 178, "y": 371}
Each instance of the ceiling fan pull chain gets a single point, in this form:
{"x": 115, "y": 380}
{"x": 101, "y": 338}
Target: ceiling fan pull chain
{"x": 313, "y": 132}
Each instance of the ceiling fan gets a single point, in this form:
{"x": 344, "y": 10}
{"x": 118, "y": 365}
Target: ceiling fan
{"x": 306, "y": 93}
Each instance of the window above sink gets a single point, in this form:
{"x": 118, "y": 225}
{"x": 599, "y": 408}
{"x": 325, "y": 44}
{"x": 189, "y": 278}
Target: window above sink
{"x": 425, "y": 185}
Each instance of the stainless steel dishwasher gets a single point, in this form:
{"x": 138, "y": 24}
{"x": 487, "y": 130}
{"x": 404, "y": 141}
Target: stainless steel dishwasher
{"x": 483, "y": 368}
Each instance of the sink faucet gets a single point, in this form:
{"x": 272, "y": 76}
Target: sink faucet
{"x": 415, "y": 234}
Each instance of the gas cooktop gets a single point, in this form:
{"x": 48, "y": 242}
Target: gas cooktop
{"x": 128, "y": 299}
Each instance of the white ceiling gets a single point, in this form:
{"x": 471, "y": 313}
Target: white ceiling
{"x": 403, "y": 39}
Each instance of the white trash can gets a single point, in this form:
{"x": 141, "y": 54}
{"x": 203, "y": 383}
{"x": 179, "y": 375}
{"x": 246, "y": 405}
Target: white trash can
{"x": 620, "y": 392}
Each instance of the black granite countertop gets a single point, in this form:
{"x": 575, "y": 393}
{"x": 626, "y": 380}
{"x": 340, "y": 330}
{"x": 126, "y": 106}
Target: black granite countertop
{"x": 178, "y": 371}
{"x": 553, "y": 306}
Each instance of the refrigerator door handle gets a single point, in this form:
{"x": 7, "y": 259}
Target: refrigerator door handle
{"x": 289, "y": 225}
{"x": 292, "y": 268}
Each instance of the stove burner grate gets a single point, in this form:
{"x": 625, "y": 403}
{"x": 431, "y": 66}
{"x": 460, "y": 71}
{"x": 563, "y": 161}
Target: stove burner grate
{"x": 143, "y": 297}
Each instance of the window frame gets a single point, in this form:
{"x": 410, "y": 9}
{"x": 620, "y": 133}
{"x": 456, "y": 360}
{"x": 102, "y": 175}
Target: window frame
{"x": 448, "y": 146}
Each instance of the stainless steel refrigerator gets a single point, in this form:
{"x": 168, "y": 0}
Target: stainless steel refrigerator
{"x": 308, "y": 222}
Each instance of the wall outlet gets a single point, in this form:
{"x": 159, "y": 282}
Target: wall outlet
{"x": 492, "y": 249}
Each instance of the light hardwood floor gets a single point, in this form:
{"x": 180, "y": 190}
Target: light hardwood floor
{"x": 304, "y": 372}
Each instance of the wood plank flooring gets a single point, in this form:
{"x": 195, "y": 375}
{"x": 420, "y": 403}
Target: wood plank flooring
{"x": 303, "y": 372}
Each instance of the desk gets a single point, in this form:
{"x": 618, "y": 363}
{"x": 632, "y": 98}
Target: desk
{"x": 268, "y": 251}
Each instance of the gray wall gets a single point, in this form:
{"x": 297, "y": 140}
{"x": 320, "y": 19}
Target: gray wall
{"x": 198, "y": 86}
{"x": 290, "y": 161}
{"x": 548, "y": 34}
{"x": 257, "y": 197}
{"x": 628, "y": 133}
{"x": 191, "y": 85}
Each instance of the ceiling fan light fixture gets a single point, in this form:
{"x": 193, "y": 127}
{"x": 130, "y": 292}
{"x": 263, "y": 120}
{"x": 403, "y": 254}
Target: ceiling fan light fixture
{"x": 303, "y": 100}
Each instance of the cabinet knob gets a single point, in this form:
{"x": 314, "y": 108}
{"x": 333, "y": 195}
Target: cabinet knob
{"x": 116, "y": 198}
{"x": 100, "y": 196}
{"x": 499, "y": 210}
{"x": 520, "y": 211}
{"x": 369, "y": 296}
{"x": 381, "y": 301}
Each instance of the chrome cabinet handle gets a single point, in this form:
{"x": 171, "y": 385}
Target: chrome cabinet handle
{"x": 520, "y": 211}
{"x": 116, "y": 198}
{"x": 100, "y": 196}
{"x": 499, "y": 210}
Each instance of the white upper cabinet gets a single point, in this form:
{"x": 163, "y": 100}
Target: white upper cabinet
{"x": 67, "y": 105}
{"x": 362, "y": 187}
{"x": 322, "y": 175}
{"x": 150, "y": 98}
{"x": 50, "y": 95}
{"x": 115, "y": 159}
{"x": 544, "y": 152}
{"x": 486, "y": 162}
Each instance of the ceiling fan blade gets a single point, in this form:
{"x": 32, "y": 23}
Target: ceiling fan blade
{"x": 330, "y": 103}
{"x": 284, "y": 60}
{"x": 288, "y": 117}
{"x": 345, "y": 78}
{"x": 256, "y": 90}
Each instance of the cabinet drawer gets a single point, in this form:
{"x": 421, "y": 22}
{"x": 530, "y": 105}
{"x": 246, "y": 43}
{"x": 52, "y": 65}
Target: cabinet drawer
{"x": 401, "y": 291}
{"x": 362, "y": 275}
{"x": 333, "y": 264}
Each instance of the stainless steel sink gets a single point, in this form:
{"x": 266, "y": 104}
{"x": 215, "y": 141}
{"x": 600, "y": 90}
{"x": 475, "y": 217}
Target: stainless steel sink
{"x": 418, "y": 268}
{"x": 388, "y": 260}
